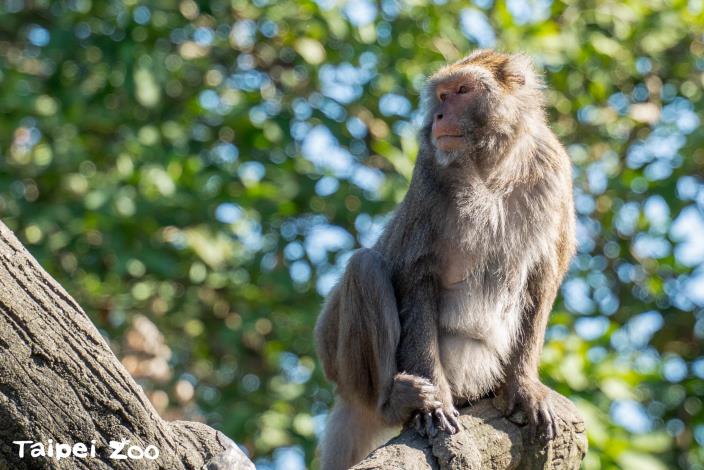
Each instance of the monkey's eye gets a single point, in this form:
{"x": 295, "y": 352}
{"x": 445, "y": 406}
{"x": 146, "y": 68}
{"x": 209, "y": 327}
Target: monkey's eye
{"x": 463, "y": 89}
{"x": 443, "y": 96}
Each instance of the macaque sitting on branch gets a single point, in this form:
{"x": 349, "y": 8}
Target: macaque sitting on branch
{"x": 451, "y": 304}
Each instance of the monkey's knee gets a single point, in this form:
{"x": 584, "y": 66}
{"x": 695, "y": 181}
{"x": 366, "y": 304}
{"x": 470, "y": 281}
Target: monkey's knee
{"x": 367, "y": 287}
{"x": 369, "y": 329}
{"x": 366, "y": 258}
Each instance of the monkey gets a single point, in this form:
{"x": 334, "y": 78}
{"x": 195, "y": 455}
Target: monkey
{"x": 451, "y": 304}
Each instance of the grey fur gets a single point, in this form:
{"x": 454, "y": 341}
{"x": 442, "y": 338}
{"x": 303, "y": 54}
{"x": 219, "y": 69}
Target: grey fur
{"x": 452, "y": 302}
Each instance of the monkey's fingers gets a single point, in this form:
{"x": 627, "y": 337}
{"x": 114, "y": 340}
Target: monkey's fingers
{"x": 444, "y": 422}
{"x": 510, "y": 403}
{"x": 432, "y": 405}
{"x": 452, "y": 418}
{"x": 430, "y": 428}
{"x": 418, "y": 424}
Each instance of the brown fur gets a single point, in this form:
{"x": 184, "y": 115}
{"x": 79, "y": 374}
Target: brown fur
{"x": 496, "y": 64}
{"x": 453, "y": 300}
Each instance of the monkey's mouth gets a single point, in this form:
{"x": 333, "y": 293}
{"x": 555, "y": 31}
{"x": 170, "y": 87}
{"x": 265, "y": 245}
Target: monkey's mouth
{"x": 447, "y": 141}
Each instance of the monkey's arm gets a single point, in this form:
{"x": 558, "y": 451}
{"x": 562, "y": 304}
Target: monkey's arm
{"x": 418, "y": 353}
{"x": 523, "y": 386}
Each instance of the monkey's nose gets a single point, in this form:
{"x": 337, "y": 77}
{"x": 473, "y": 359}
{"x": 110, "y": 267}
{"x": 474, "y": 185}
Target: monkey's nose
{"x": 438, "y": 117}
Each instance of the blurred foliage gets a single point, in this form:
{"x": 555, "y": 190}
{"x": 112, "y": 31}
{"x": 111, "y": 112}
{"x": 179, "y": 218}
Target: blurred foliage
{"x": 207, "y": 167}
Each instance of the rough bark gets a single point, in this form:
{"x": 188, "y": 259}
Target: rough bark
{"x": 60, "y": 381}
{"x": 488, "y": 441}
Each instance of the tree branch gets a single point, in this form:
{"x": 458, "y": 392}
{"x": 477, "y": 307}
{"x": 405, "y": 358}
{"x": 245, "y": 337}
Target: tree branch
{"x": 488, "y": 441}
{"x": 60, "y": 383}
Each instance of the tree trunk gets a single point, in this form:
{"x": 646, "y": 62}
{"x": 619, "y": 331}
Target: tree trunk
{"x": 60, "y": 383}
{"x": 488, "y": 441}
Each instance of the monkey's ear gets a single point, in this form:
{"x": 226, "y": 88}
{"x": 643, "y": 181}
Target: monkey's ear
{"x": 519, "y": 71}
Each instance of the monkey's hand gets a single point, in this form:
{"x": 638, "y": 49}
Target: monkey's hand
{"x": 532, "y": 396}
{"x": 415, "y": 397}
{"x": 440, "y": 415}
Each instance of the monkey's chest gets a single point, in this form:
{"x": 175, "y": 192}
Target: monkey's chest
{"x": 480, "y": 309}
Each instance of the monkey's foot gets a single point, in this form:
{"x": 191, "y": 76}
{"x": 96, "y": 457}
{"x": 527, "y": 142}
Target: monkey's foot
{"x": 532, "y": 397}
{"x": 428, "y": 423}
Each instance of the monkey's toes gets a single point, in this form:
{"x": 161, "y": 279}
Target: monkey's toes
{"x": 542, "y": 421}
{"x": 548, "y": 419}
{"x": 447, "y": 421}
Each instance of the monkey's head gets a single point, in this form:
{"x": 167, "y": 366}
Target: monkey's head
{"x": 476, "y": 107}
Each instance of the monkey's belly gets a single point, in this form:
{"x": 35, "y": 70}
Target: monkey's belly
{"x": 472, "y": 368}
{"x": 477, "y": 332}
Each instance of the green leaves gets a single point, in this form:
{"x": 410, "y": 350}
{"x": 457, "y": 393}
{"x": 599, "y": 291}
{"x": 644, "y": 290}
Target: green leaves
{"x": 210, "y": 166}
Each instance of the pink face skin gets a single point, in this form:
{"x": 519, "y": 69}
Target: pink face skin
{"x": 456, "y": 97}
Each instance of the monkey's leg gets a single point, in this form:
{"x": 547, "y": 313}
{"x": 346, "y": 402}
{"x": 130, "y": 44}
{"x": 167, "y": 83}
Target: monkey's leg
{"x": 419, "y": 352}
{"x": 358, "y": 332}
{"x": 357, "y": 336}
{"x": 523, "y": 386}
{"x": 367, "y": 339}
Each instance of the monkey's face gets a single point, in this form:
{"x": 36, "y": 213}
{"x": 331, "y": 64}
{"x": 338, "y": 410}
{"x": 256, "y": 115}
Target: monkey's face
{"x": 476, "y": 106}
{"x": 460, "y": 110}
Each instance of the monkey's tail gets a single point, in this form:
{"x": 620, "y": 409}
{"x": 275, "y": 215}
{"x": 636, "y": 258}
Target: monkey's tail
{"x": 351, "y": 433}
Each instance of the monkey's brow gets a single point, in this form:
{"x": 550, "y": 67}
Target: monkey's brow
{"x": 475, "y": 74}
{"x": 449, "y": 77}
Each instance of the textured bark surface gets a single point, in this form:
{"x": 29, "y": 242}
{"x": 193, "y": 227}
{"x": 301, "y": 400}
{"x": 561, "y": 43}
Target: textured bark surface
{"x": 60, "y": 381}
{"x": 488, "y": 441}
